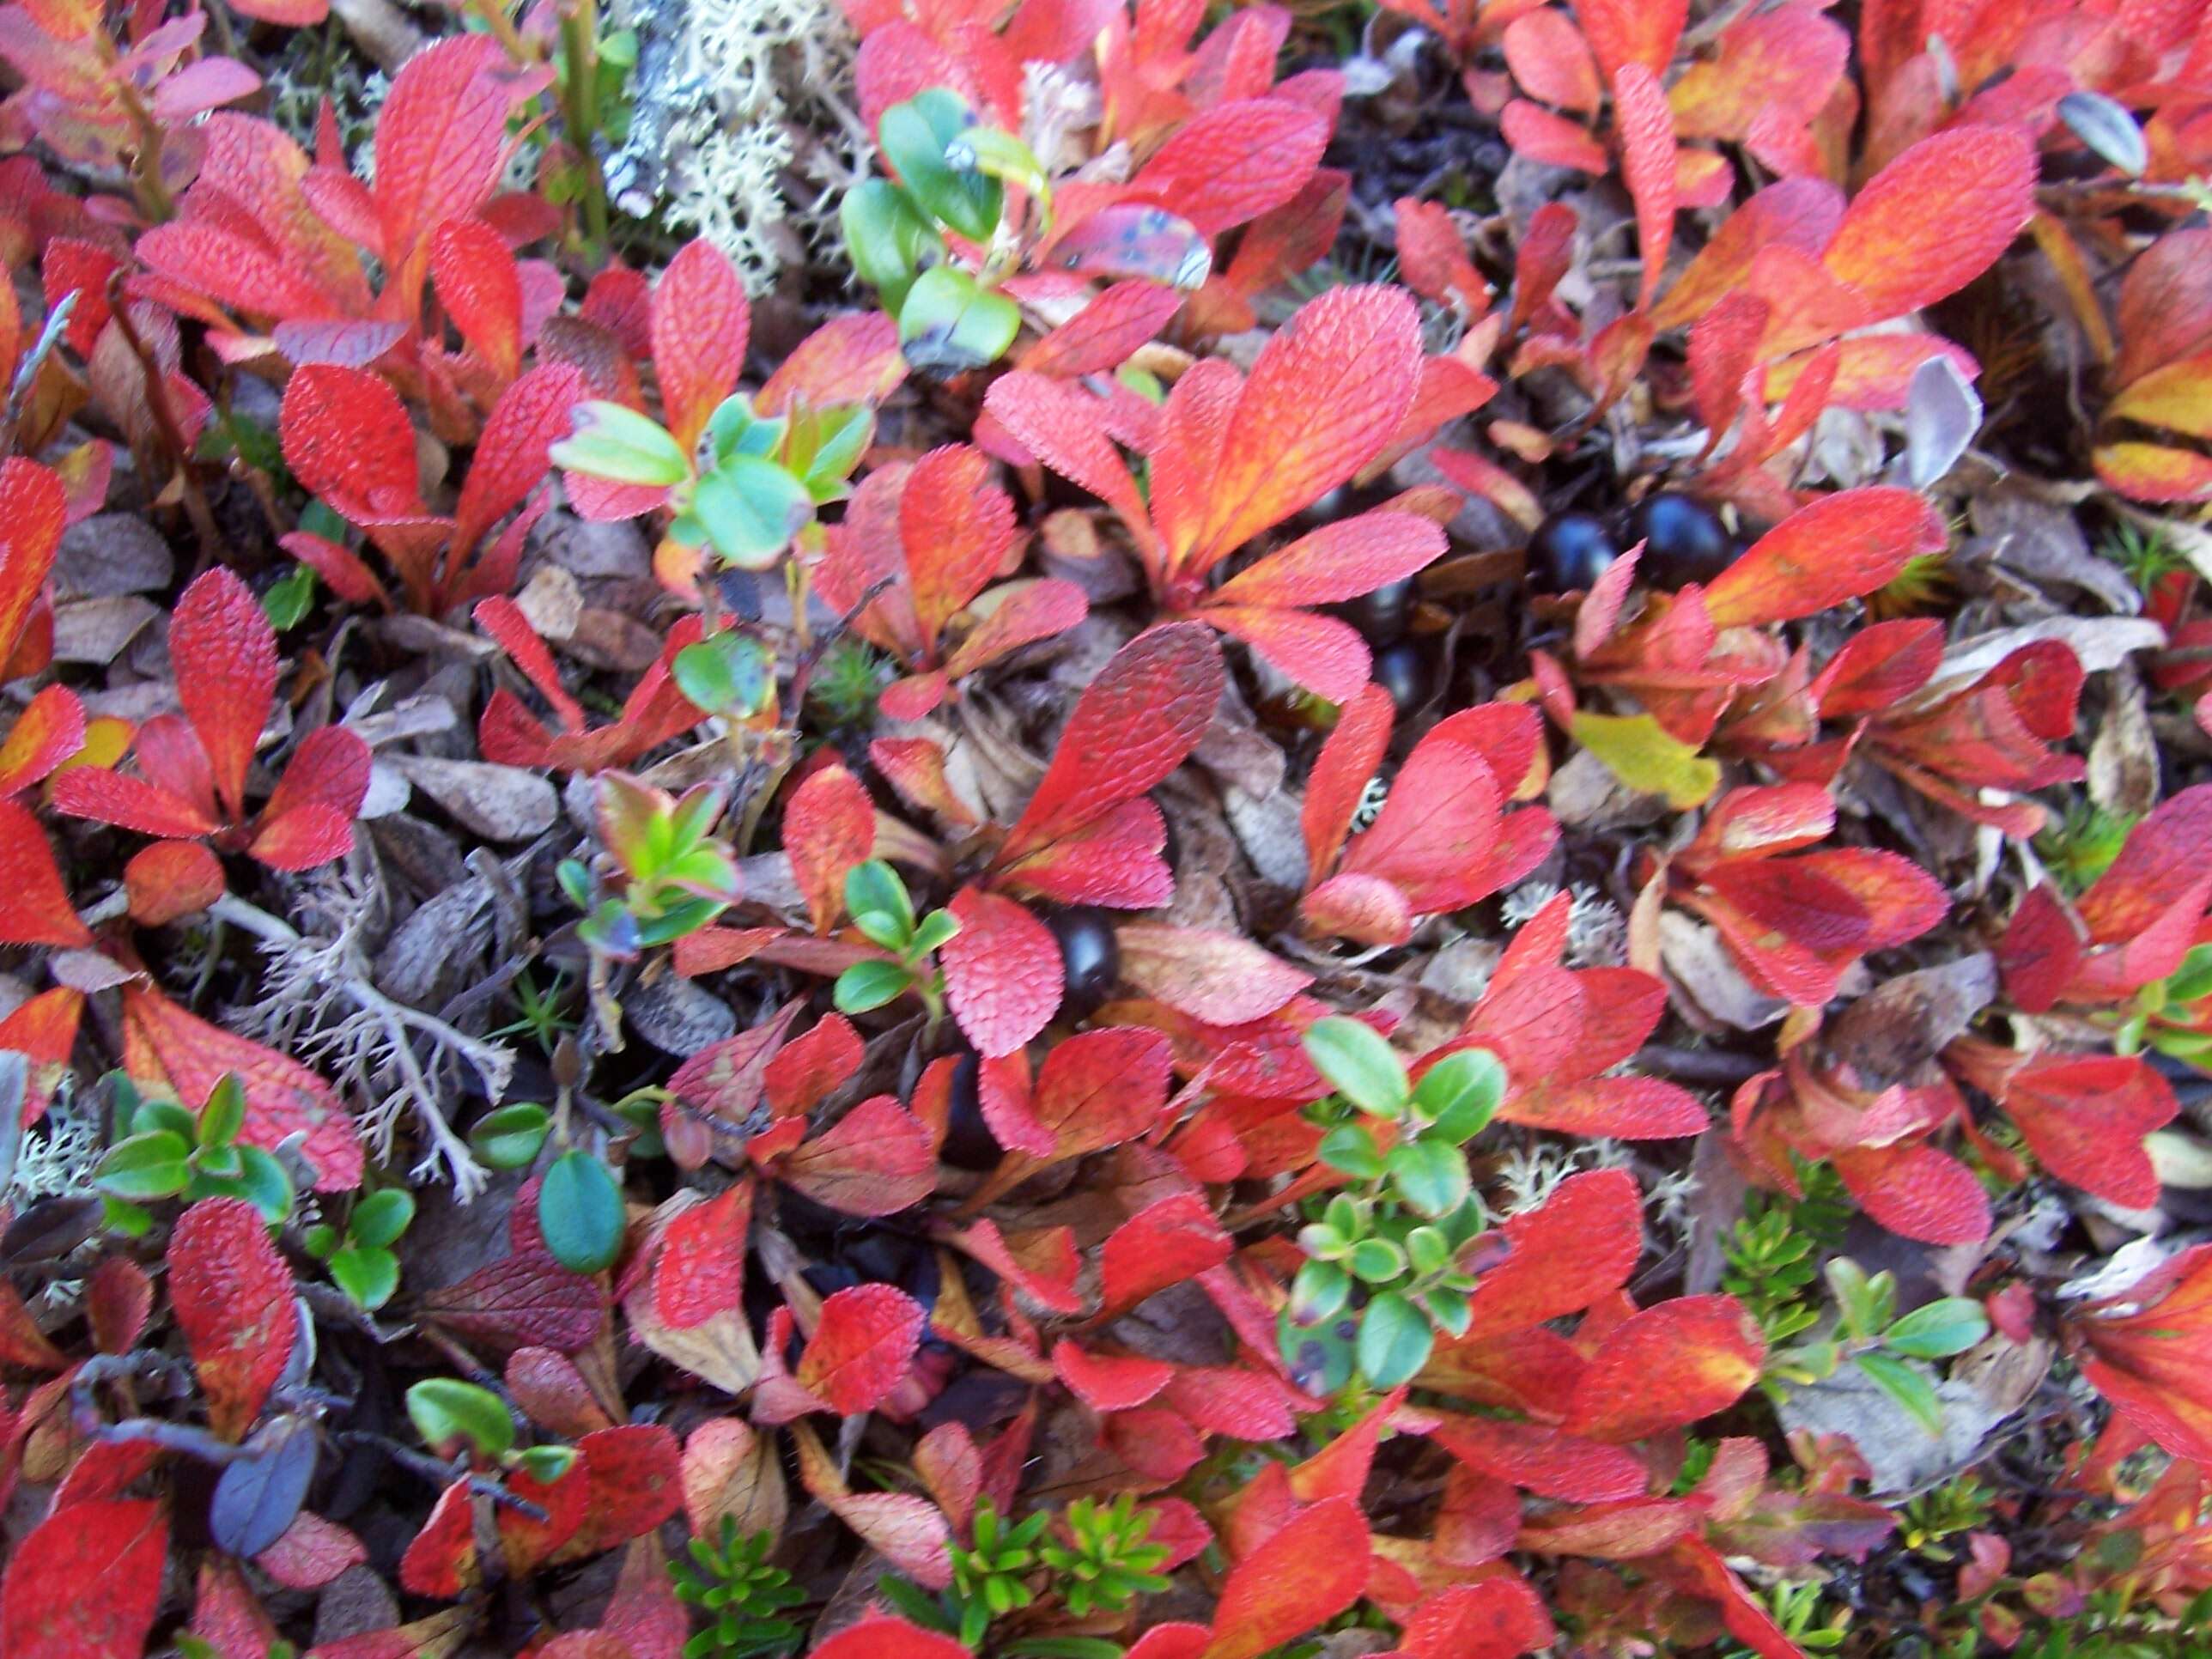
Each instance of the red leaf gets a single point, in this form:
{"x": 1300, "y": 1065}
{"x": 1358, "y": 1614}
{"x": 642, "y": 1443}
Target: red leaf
{"x": 1936, "y": 218}
{"x": 811, "y": 1066}
{"x": 1644, "y": 32}
{"x": 129, "y": 803}
{"x": 1338, "y": 561}
{"x": 1132, "y": 725}
{"x": 636, "y": 1483}
{"x": 1327, "y": 392}
{"x": 1837, "y": 548}
{"x": 1221, "y": 978}
{"x": 347, "y": 438}
{"x": 829, "y": 826}
{"x": 701, "y": 324}
{"x": 1346, "y": 764}
{"x": 701, "y": 1270}
{"x": 1002, "y": 972}
{"x": 1541, "y": 1459}
{"x": 312, "y": 1552}
{"x": 956, "y": 528}
{"x": 308, "y": 819}
{"x": 35, "y": 905}
{"x": 1917, "y": 1193}
{"x": 1161, "y": 1245}
{"x": 876, "y": 1160}
{"x": 1551, "y": 61}
{"x": 531, "y": 416}
{"x": 234, "y": 1300}
{"x": 477, "y": 282}
{"x": 528, "y": 1300}
{"x": 222, "y": 651}
{"x": 1324, "y": 654}
{"x": 1234, "y": 162}
{"x": 862, "y": 1349}
{"x": 169, "y": 879}
{"x": 1438, "y": 826}
{"x": 1105, "y": 333}
{"x": 881, "y": 1637}
{"x": 174, "y": 1054}
{"x": 1368, "y": 909}
{"x": 1060, "y": 424}
{"x": 34, "y": 509}
{"x": 1578, "y": 1247}
{"x": 441, "y": 1560}
{"x": 1668, "y": 1366}
{"x": 728, "y": 1078}
{"x": 1109, "y": 1382}
{"x": 85, "y": 1583}
{"x": 48, "y": 732}
{"x": 1496, "y": 1618}
{"x": 1646, "y": 127}
{"x": 1312, "y": 1569}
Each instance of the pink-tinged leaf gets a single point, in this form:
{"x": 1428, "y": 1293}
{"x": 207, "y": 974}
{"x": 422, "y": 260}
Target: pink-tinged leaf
{"x": 311, "y": 1553}
{"x": 1579, "y": 1246}
{"x": 1369, "y": 909}
{"x": 1002, "y": 972}
{"x": 35, "y": 905}
{"x": 1309, "y": 1571}
{"x": 1438, "y": 826}
{"x": 908, "y": 1531}
{"x": 1551, "y": 61}
{"x": 1916, "y": 1192}
{"x": 1346, "y": 765}
{"x": 880, "y": 1637}
{"x": 829, "y": 826}
{"x": 170, "y": 879}
{"x": 1132, "y": 725}
{"x": 1541, "y": 1459}
{"x": 1061, "y": 425}
{"x": 477, "y": 281}
{"x": 1221, "y": 978}
{"x": 728, "y": 1078}
{"x": 1109, "y": 1382}
{"x": 1328, "y": 390}
{"x": 1338, "y": 562}
{"x": 1640, "y": 31}
{"x": 1324, "y": 654}
{"x": 1161, "y": 1245}
{"x": 347, "y": 438}
{"x": 180, "y": 1056}
{"x": 956, "y": 528}
{"x": 234, "y": 1299}
{"x": 701, "y": 324}
{"x": 1234, "y": 162}
{"x": 222, "y": 651}
{"x": 85, "y": 1583}
{"x": 531, "y": 416}
{"x": 1936, "y": 218}
{"x": 878, "y": 1159}
{"x": 34, "y": 509}
{"x": 130, "y": 803}
{"x": 1105, "y": 333}
{"x": 1551, "y": 140}
{"x": 1646, "y": 127}
{"x": 862, "y": 1349}
{"x": 1666, "y": 1366}
{"x": 1839, "y": 547}
{"x": 812, "y": 1065}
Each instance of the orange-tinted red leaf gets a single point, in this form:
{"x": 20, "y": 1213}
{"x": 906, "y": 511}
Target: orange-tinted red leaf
{"x": 1551, "y": 61}
{"x": 1161, "y": 1245}
{"x": 1641, "y": 31}
{"x": 1234, "y": 162}
{"x": 829, "y": 826}
{"x": 1916, "y": 1192}
{"x": 701, "y": 1270}
{"x": 1936, "y": 218}
{"x": 1496, "y": 1618}
{"x": 862, "y": 1349}
{"x": 85, "y": 1583}
{"x": 956, "y": 528}
{"x": 171, "y": 1052}
{"x": 1221, "y": 978}
{"x": 1668, "y": 1366}
{"x": 234, "y": 1300}
{"x": 1313, "y": 1568}
{"x": 1837, "y": 548}
{"x": 701, "y": 323}
{"x": 35, "y": 905}
{"x": 811, "y": 1065}
{"x": 169, "y": 879}
{"x": 1578, "y": 1246}
{"x": 1646, "y": 127}
{"x": 223, "y": 653}
{"x": 876, "y": 1160}
{"x": 477, "y": 282}
{"x": 881, "y": 1637}
{"x": 1002, "y": 972}
{"x": 33, "y": 508}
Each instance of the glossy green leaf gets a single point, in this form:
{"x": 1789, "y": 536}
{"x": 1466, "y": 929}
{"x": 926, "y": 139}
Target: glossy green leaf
{"x": 870, "y": 984}
{"x": 1394, "y": 1340}
{"x": 579, "y": 1212}
{"x": 1938, "y": 1329}
{"x": 1356, "y": 1061}
{"x": 749, "y": 509}
{"x": 447, "y": 1411}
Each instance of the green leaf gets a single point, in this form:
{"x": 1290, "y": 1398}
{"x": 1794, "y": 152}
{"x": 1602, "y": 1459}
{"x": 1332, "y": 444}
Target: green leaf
{"x": 888, "y": 238}
{"x": 1907, "y": 1386}
{"x": 1318, "y": 1292}
{"x": 728, "y": 673}
{"x": 873, "y": 884}
{"x": 1650, "y": 759}
{"x": 937, "y": 929}
{"x": 1856, "y": 1295}
{"x": 1353, "y": 1058}
{"x": 1320, "y": 1355}
{"x": 614, "y": 441}
{"x": 750, "y": 508}
{"x": 509, "y": 1137}
{"x": 263, "y": 1182}
{"x": 546, "y": 1464}
{"x": 148, "y": 1166}
{"x": 1451, "y": 1311}
{"x": 290, "y": 597}
{"x": 947, "y": 323}
{"x": 1394, "y": 1340}
{"x": 868, "y": 985}
{"x": 2192, "y": 981}
{"x": 580, "y": 1211}
{"x": 826, "y": 445}
{"x": 369, "y": 1274}
{"x": 444, "y": 1410}
{"x": 224, "y": 1114}
{"x": 733, "y": 429}
{"x": 1376, "y": 1261}
{"x": 1350, "y": 1148}
{"x": 913, "y": 137}
{"x": 1460, "y": 1093}
{"x": 379, "y": 1219}
{"x": 1430, "y": 1174}
{"x": 1938, "y": 1329}
{"x": 153, "y": 1114}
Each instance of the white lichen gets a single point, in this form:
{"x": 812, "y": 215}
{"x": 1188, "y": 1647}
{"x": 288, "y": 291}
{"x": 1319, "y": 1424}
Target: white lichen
{"x": 1597, "y": 934}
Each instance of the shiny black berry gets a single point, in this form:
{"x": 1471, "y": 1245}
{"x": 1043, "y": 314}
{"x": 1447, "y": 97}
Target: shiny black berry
{"x": 1684, "y": 540}
{"x": 1383, "y": 616}
{"x": 1089, "y": 959}
{"x": 969, "y": 1143}
{"x": 1399, "y": 670}
{"x": 1569, "y": 551}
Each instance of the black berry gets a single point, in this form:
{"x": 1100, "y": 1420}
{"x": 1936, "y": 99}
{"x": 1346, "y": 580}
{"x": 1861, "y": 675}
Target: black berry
{"x": 969, "y": 1143}
{"x": 1570, "y": 550}
{"x": 1089, "y": 959}
{"x": 1383, "y": 616}
{"x": 1399, "y": 668}
{"x": 1684, "y": 540}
